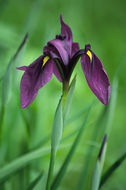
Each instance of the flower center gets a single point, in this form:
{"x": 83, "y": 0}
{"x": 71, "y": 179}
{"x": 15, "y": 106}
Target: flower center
{"x": 89, "y": 54}
{"x": 60, "y": 37}
{"x": 45, "y": 60}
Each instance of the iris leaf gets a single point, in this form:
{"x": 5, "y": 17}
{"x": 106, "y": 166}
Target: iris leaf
{"x": 99, "y": 166}
{"x": 68, "y": 100}
{"x": 110, "y": 113}
{"x": 112, "y": 104}
{"x": 11, "y": 168}
{"x": 55, "y": 140}
{"x": 57, "y": 127}
{"x": 21, "y": 162}
{"x": 64, "y": 166}
{"x": 6, "y": 78}
{"x": 34, "y": 183}
{"x": 88, "y": 160}
{"x": 6, "y": 81}
{"x": 111, "y": 169}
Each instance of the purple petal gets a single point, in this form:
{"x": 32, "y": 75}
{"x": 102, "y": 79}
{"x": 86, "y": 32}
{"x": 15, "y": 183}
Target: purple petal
{"x": 59, "y": 46}
{"x": 96, "y": 77}
{"x": 23, "y": 68}
{"x": 51, "y": 52}
{"x": 66, "y": 31}
{"x": 33, "y": 79}
{"x": 75, "y": 48}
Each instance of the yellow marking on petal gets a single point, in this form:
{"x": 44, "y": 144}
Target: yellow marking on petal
{"x": 89, "y": 54}
{"x": 45, "y": 60}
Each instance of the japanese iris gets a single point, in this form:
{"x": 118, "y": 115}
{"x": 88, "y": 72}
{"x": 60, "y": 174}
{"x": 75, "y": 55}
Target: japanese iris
{"x": 60, "y": 56}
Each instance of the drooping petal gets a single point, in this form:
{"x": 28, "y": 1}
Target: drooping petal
{"x": 66, "y": 31}
{"x": 96, "y": 76}
{"x": 23, "y": 68}
{"x": 34, "y": 77}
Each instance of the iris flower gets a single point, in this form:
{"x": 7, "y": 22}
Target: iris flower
{"x": 60, "y": 56}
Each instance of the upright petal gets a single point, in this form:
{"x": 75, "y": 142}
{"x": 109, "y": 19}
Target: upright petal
{"x": 75, "y": 48}
{"x": 96, "y": 76}
{"x": 61, "y": 51}
{"x": 66, "y": 31}
{"x": 34, "y": 77}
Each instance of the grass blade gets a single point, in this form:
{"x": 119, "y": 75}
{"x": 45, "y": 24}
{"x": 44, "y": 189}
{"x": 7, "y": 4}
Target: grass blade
{"x": 111, "y": 169}
{"x": 99, "y": 166}
{"x": 57, "y": 127}
{"x": 11, "y": 168}
{"x": 55, "y": 140}
{"x": 6, "y": 79}
{"x": 21, "y": 162}
{"x": 62, "y": 171}
{"x": 87, "y": 166}
{"x": 110, "y": 113}
{"x": 68, "y": 100}
{"x": 112, "y": 104}
{"x": 35, "y": 181}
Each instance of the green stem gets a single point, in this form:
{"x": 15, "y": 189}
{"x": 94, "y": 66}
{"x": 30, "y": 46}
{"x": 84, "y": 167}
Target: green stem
{"x": 55, "y": 138}
{"x": 51, "y": 168}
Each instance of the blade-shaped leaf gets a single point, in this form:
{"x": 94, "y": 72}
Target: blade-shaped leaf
{"x": 55, "y": 140}
{"x": 21, "y": 162}
{"x": 89, "y": 157}
{"x": 57, "y": 127}
{"x": 63, "y": 168}
{"x": 112, "y": 104}
{"x": 99, "y": 166}
{"x": 9, "y": 169}
{"x": 7, "y": 76}
{"x": 111, "y": 169}
{"x": 34, "y": 183}
{"x": 68, "y": 100}
{"x": 6, "y": 81}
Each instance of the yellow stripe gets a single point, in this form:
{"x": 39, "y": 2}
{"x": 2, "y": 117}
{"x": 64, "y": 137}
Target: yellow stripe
{"x": 89, "y": 54}
{"x": 45, "y": 60}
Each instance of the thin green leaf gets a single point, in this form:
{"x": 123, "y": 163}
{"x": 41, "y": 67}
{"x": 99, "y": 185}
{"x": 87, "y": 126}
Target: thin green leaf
{"x": 88, "y": 160}
{"x": 107, "y": 116}
{"x": 11, "y": 168}
{"x": 21, "y": 162}
{"x": 7, "y": 81}
{"x": 6, "y": 78}
{"x": 34, "y": 183}
{"x": 68, "y": 100}
{"x": 111, "y": 169}
{"x": 63, "y": 168}
{"x": 112, "y": 104}
{"x": 55, "y": 140}
{"x": 99, "y": 166}
{"x": 57, "y": 127}
{"x": 110, "y": 113}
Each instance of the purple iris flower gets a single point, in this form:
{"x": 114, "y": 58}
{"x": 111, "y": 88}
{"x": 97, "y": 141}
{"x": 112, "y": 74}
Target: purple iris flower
{"x": 60, "y": 56}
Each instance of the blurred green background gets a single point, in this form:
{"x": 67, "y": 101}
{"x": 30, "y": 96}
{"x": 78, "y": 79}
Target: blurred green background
{"x": 103, "y": 25}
